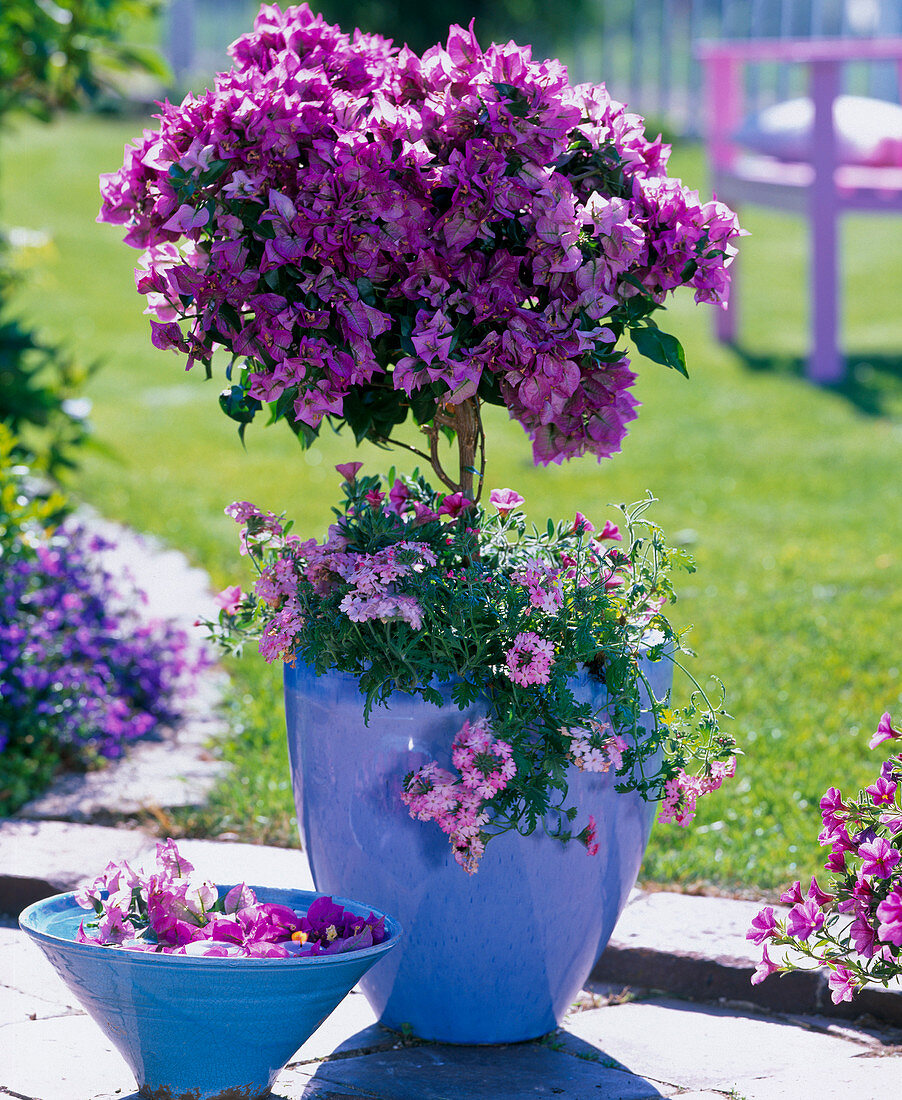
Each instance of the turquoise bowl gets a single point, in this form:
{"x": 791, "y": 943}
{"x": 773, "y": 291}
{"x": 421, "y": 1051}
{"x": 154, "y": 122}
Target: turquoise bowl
{"x": 199, "y": 1028}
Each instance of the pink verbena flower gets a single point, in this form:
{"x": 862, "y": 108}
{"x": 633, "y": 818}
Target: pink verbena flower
{"x": 592, "y": 751}
{"x": 485, "y": 767}
{"x": 543, "y": 584}
{"x": 683, "y": 791}
{"x": 484, "y": 763}
{"x": 529, "y": 659}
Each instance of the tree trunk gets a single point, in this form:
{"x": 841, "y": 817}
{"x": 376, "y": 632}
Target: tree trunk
{"x": 465, "y": 421}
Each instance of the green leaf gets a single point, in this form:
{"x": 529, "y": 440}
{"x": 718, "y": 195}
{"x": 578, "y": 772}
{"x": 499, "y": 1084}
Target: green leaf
{"x": 239, "y": 406}
{"x": 660, "y": 347}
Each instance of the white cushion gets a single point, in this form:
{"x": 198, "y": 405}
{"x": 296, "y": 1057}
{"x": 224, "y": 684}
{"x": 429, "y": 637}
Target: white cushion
{"x": 868, "y": 131}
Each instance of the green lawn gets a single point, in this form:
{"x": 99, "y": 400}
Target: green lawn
{"x": 788, "y": 496}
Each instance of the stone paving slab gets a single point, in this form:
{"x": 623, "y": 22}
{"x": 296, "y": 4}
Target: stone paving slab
{"x": 695, "y": 947}
{"x": 438, "y": 1072}
{"x": 719, "y": 1048}
{"x": 38, "y": 859}
{"x": 173, "y": 769}
{"x": 609, "y": 1049}
{"x": 65, "y": 1058}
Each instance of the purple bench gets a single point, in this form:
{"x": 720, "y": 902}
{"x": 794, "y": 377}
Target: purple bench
{"x": 821, "y": 186}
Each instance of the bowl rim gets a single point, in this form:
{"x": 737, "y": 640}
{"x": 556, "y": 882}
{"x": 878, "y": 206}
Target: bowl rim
{"x": 66, "y": 900}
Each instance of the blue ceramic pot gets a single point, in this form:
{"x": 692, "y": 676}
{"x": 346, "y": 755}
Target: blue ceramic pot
{"x": 199, "y": 1027}
{"x": 493, "y": 957}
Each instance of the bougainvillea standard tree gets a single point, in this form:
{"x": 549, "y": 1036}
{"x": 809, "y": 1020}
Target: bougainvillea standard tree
{"x": 370, "y": 236}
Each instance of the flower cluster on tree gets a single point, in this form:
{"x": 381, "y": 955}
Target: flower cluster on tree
{"x": 372, "y": 233}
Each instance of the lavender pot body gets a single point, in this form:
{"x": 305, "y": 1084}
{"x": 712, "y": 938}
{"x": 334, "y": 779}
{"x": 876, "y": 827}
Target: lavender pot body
{"x": 493, "y": 957}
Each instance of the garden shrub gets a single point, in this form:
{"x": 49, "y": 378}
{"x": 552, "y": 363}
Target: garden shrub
{"x": 39, "y": 395}
{"x": 82, "y": 675}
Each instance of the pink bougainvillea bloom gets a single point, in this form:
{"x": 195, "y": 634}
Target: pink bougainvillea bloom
{"x": 187, "y": 218}
{"x": 167, "y": 335}
{"x": 804, "y": 919}
{"x": 610, "y": 531}
{"x": 885, "y": 732}
{"x": 229, "y": 599}
{"x": 842, "y": 984}
{"x": 764, "y": 926}
{"x": 349, "y": 470}
{"x": 878, "y": 857}
{"x": 505, "y": 500}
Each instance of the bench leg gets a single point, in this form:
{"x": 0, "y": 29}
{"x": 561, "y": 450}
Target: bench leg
{"x": 726, "y": 321}
{"x": 826, "y": 364}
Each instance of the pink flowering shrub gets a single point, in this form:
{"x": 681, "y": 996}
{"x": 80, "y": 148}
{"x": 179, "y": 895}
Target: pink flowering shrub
{"x": 412, "y": 588}
{"x": 372, "y": 233}
{"x": 854, "y": 928}
{"x": 170, "y": 910}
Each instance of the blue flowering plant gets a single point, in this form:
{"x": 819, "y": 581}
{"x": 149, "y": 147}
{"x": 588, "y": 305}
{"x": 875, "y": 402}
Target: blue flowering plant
{"x": 82, "y": 675}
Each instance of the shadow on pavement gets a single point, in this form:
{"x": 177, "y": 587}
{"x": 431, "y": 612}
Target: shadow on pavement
{"x": 558, "y": 1066}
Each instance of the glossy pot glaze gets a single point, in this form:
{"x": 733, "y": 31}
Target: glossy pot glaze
{"x": 493, "y": 957}
{"x": 199, "y": 1027}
